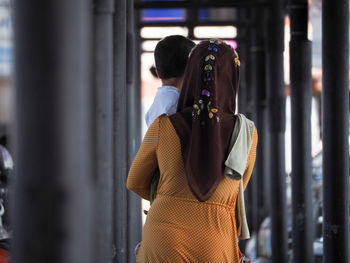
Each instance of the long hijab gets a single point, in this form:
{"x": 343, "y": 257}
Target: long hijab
{"x": 205, "y": 115}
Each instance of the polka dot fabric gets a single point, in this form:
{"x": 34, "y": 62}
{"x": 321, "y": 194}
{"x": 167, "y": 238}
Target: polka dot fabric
{"x": 178, "y": 227}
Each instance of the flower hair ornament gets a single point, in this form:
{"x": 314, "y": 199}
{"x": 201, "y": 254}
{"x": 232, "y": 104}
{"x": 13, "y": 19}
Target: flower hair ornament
{"x": 205, "y": 102}
{"x": 204, "y": 120}
{"x": 236, "y": 59}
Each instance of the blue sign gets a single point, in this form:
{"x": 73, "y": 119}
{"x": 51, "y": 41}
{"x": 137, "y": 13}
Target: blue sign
{"x": 164, "y": 14}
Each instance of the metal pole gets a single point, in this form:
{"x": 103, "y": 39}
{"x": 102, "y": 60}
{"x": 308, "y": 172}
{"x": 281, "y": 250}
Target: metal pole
{"x": 251, "y": 113}
{"x": 53, "y": 203}
{"x": 257, "y": 108}
{"x": 276, "y": 108}
{"x": 335, "y": 63}
{"x": 300, "y": 92}
{"x": 244, "y": 54}
{"x": 258, "y": 52}
{"x": 242, "y": 93}
{"x": 120, "y": 134}
{"x": 231, "y": 22}
{"x": 134, "y": 127}
{"x": 249, "y": 192}
{"x": 250, "y": 67}
{"x": 192, "y": 17}
{"x": 200, "y": 4}
{"x": 103, "y": 99}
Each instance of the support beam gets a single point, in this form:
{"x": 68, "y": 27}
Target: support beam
{"x": 251, "y": 113}
{"x": 191, "y": 19}
{"x": 242, "y": 48}
{"x": 200, "y": 4}
{"x": 300, "y": 92}
{"x": 248, "y": 111}
{"x": 120, "y": 135}
{"x": 103, "y": 127}
{"x": 277, "y": 119}
{"x": 53, "y": 204}
{"x": 258, "y": 52}
{"x": 335, "y": 92}
{"x": 236, "y": 23}
{"x": 258, "y": 112}
{"x": 134, "y": 224}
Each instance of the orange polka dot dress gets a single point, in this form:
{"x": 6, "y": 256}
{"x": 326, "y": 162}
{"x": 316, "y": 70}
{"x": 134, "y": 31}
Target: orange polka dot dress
{"x": 178, "y": 227}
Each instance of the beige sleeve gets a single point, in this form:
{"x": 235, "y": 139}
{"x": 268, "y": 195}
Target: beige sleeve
{"x": 251, "y": 160}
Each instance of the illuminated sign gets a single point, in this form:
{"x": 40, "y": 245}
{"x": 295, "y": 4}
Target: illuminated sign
{"x": 6, "y": 38}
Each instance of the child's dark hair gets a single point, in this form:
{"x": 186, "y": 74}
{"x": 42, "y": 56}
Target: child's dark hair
{"x": 171, "y": 55}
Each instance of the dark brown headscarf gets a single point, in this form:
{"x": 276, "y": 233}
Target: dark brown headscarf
{"x": 205, "y": 115}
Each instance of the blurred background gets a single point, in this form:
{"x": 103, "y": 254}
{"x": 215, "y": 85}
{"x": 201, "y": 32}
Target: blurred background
{"x": 76, "y": 81}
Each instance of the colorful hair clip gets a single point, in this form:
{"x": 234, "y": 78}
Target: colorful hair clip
{"x": 236, "y": 59}
{"x": 201, "y": 104}
{"x": 212, "y": 48}
{"x": 216, "y": 41}
{"x": 210, "y": 57}
{"x": 208, "y": 67}
{"x": 197, "y": 109}
{"x": 238, "y": 63}
{"x": 211, "y": 112}
{"x": 208, "y": 78}
{"x": 206, "y": 92}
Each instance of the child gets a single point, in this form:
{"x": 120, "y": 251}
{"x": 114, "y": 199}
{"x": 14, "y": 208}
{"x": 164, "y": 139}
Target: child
{"x": 171, "y": 55}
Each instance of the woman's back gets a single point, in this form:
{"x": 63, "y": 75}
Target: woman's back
{"x": 173, "y": 180}
{"x": 179, "y": 228}
{"x": 192, "y": 219}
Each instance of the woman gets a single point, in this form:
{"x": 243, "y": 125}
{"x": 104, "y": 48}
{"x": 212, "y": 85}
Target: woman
{"x": 192, "y": 218}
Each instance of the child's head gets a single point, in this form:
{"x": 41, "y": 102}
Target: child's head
{"x": 171, "y": 55}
